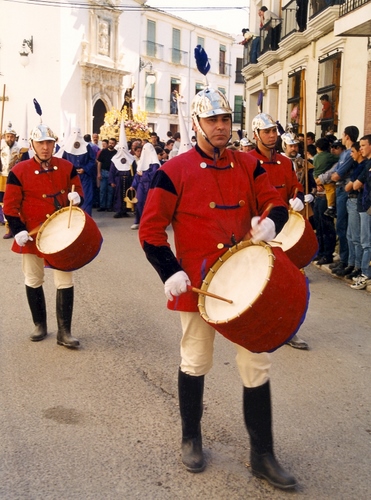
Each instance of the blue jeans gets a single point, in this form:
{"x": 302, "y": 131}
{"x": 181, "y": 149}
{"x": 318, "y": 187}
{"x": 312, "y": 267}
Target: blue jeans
{"x": 366, "y": 243}
{"x": 354, "y": 234}
{"x": 342, "y": 222}
{"x": 105, "y": 191}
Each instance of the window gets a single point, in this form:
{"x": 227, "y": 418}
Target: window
{"x": 201, "y": 41}
{"x": 176, "y": 53}
{"x": 238, "y": 109}
{"x": 151, "y": 38}
{"x": 329, "y": 67}
{"x": 294, "y": 100}
{"x": 222, "y": 58}
{"x": 150, "y": 96}
{"x": 239, "y": 65}
{"x": 199, "y": 87}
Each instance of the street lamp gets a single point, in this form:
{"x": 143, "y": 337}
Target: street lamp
{"x": 27, "y": 47}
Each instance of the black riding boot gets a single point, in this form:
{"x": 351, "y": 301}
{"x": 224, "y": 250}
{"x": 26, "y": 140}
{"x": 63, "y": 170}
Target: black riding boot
{"x": 36, "y": 301}
{"x": 191, "y": 390}
{"x": 258, "y": 420}
{"x": 64, "y": 318}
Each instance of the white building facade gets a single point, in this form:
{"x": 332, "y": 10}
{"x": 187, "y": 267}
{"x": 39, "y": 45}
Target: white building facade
{"x": 320, "y": 51}
{"x": 78, "y": 62}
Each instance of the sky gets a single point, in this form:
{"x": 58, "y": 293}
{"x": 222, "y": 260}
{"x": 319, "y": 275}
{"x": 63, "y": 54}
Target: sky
{"x": 206, "y": 13}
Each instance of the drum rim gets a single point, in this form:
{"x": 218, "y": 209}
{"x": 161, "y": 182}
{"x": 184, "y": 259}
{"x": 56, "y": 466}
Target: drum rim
{"x": 45, "y": 223}
{"x": 214, "y": 268}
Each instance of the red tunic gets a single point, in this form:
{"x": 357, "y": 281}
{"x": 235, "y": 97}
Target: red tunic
{"x": 31, "y": 194}
{"x": 281, "y": 174}
{"x": 206, "y": 205}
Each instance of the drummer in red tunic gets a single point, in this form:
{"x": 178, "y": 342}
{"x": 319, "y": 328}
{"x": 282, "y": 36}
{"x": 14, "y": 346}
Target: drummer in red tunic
{"x": 35, "y": 189}
{"x": 212, "y": 197}
{"x": 281, "y": 174}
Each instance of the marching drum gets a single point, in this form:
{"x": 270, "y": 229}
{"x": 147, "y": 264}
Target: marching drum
{"x": 297, "y": 239}
{"x": 269, "y": 294}
{"x": 69, "y": 248}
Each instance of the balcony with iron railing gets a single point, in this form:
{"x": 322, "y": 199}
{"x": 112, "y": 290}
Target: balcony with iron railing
{"x": 289, "y": 20}
{"x": 152, "y": 49}
{"x": 270, "y": 35}
{"x": 348, "y": 6}
{"x": 225, "y": 68}
{"x": 179, "y": 57}
{"x": 153, "y": 105}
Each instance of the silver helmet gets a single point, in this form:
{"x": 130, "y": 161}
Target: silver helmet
{"x": 288, "y": 138}
{"x": 41, "y": 133}
{"x": 263, "y": 121}
{"x": 210, "y": 102}
{"x": 10, "y": 130}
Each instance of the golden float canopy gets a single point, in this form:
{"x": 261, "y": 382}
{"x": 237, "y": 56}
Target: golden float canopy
{"x": 135, "y": 129}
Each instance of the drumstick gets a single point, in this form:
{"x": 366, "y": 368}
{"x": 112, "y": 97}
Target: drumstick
{"x": 70, "y": 212}
{"x": 295, "y": 193}
{"x": 35, "y": 230}
{"x": 191, "y": 288}
{"x": 266, "y": 212}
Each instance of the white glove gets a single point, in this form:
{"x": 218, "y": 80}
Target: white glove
{"x": 176, "y": 285}
{"x": 297, "y": 205}
{"x": 22, "y": 237}
{"x": 74, "y": 197}
{"x": 308, "y": 198}
{"x": 263, "y": 231}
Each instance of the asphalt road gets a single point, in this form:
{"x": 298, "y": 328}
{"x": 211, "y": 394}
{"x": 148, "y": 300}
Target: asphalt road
{"x": 102, "y": 422}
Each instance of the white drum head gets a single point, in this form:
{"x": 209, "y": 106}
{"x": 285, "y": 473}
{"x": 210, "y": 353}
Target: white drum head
{"x": 55, "y": 235}
{"x": 241, "y": 278}
{"x": 291, "y": 233}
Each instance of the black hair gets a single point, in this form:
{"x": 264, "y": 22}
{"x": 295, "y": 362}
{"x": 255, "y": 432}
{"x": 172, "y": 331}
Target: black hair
{"x": 353, "y": 132}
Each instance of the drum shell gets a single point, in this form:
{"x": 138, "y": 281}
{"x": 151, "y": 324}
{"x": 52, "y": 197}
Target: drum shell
{"x": 276, "y": 313}
{"x": 77, "y": 253}
{"x": 298, "y": 239}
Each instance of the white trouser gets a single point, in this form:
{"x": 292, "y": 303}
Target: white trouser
{"x": 33, "y": 270}
{"x": 197, "y": 346}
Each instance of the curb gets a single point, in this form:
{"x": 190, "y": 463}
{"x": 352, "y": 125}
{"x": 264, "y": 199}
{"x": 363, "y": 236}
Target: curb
{"x": 325, "y": 268}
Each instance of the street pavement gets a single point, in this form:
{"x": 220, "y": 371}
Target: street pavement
{"x": 102, "y": 422}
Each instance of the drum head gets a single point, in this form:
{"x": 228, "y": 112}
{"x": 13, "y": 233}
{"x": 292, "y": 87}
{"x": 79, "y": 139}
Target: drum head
{"x": 291, "y": 232}
{"x": 241, "y": 278}
{"x": 55, "y": 235}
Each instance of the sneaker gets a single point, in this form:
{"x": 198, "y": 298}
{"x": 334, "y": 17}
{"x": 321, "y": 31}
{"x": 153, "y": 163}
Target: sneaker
{"x": 361, "y": 283}
{"x": 324, "y": 260}
{"x": 343, "y": 272}
{"x": 134, "y": 226}
{"x": 341, "y": 266}
{"x": 330, "y": 212}
{"x": 8, "y": 235}
{"x": 334, "y": 265}
{"x": 120, "y": 215}
{"x": 354, "y": 275}
{"x": 297, "y": 343}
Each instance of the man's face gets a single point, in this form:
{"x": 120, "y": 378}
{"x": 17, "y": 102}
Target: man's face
{"x": 267, "y": 136}
{"x": 344, "y": 139}
{"x": 111, "y": 144}
{"x": 336, "y": 150}
{"x": 292, "y": 150}
{"x": 153, "y": 139}
{"x": 95, "y": 138}
{"x": 310, "y": 140}
{"x": 217, "y": 129}
{"x": 365, "y": 148}
{"x": 10, "y": 139}
{"x": 355, "y": 154}
{"x": 43, "y": 149}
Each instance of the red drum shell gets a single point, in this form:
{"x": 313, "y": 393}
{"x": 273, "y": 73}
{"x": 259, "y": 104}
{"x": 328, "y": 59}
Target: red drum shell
{"x": 270, "y": 297}
{"x": 69, "y": 248}
{"x": 298, "y": 239}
